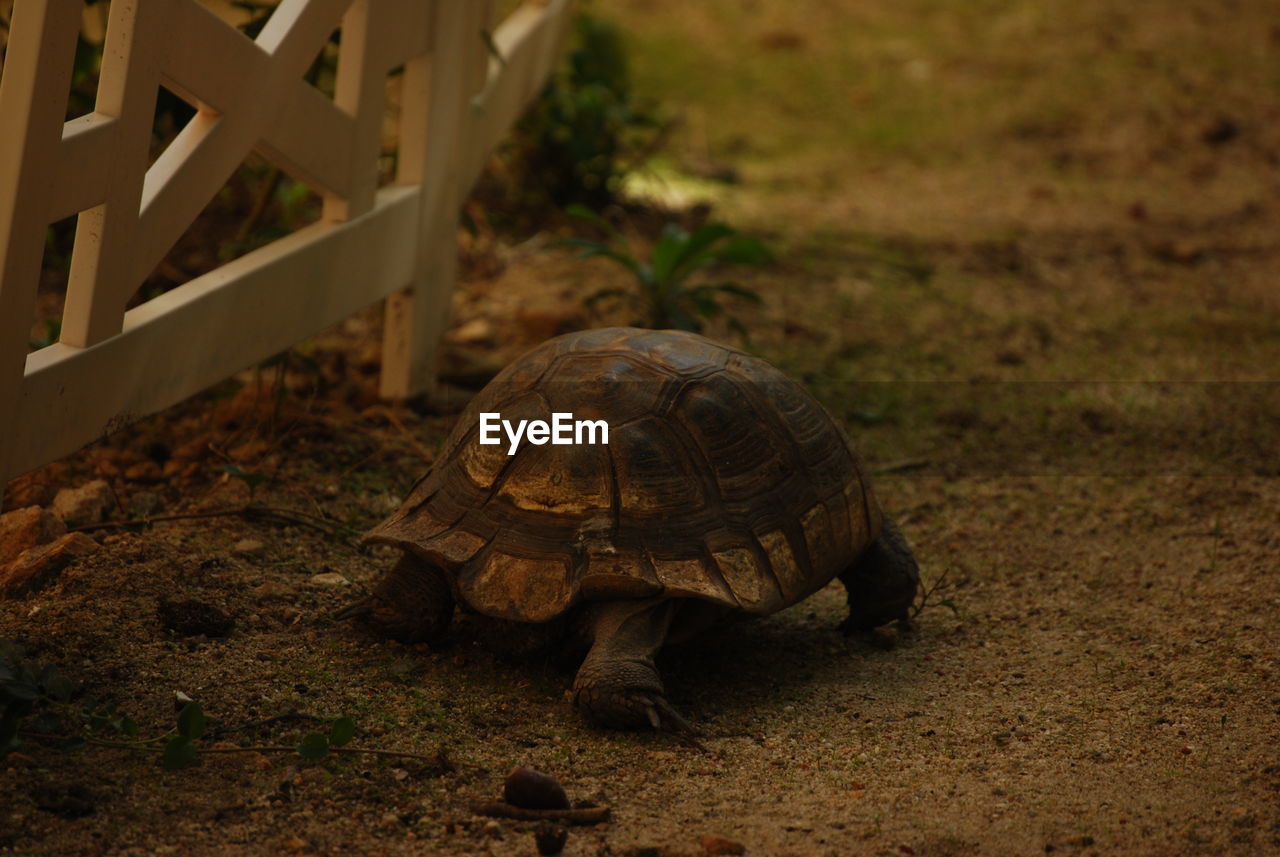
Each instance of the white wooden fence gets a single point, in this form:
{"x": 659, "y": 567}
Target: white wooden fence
{"x": 397, "y": 242}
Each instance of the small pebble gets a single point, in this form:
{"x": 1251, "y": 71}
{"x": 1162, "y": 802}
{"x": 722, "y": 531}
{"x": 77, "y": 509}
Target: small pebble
{"x": 550, "y": 839}
{"x": 248, "y": 547}
{"x": 532, "y": 789}
{"x": 329, "y": 578}
{"x": 270, "y": 590}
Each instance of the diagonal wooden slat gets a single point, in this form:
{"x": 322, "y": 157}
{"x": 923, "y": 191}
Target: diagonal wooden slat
{"x": 398, "y": 243}
{"x": 192, "y": 170}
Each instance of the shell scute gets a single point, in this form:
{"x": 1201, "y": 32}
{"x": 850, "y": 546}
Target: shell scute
{"x": 723, "y": 480}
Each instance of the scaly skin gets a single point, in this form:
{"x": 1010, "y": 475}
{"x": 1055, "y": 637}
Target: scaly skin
{"x": 618, "y": 685}
{"x": 412, "y": 603}
{"x": 882, "y": 583}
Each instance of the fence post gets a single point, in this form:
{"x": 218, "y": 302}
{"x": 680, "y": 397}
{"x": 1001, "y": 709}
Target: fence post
{"x": 33, "y": 93}
{"x": 437, "y": 93}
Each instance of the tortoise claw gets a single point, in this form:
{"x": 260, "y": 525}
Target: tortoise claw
{"x": 354, "y": 610}
{"x": 666, "y": 719}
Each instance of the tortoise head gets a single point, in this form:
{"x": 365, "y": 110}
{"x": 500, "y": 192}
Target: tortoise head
{"x": 883, "y": 582}
{"x": 413, "y": 603}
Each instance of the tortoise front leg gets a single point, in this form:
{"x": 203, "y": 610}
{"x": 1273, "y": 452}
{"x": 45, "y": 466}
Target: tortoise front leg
{"x": 412, "y": 603}
{"x": 618, "y": 685}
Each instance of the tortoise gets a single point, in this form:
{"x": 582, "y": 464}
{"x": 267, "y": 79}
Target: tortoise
{"x": 723, "y": 488}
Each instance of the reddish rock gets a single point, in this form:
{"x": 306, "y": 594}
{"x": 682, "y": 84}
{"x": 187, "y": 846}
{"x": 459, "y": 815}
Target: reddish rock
{"x": 23, "y": 529}
{"x": 536, "y": 324}
{"x": 37, "y": 567}
{"x": 719, "y": 845}
{"x": 84, "y": 505}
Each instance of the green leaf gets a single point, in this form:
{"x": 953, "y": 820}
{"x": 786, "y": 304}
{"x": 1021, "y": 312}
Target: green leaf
{"x": 604, "y": 294}
{"x": 583, "y": 213}
{"x": 744, "y": 251}
{"x": 668, "y": 252}
{"x": 313, "y": 746}
{"x": 736, "y": 290}
{"x": 21, "y": 690}
{"x": 178, "y": 753}
{"x": 7, "y": 673}
{"x": 697, "y": 251}
{"x": 342, "y": 731}
{"x": 48, "y": 721}
{"x": 59, "y": 687}
{"x": 253, "y": 480}
{"x": 9, "y": 730}
{"x": 681, "y": 320}
{"x": 72, "y": 744}
{"x": 129, "y": 727}
{"x": 704, "y": 302}
{"x": 191, "y": 721}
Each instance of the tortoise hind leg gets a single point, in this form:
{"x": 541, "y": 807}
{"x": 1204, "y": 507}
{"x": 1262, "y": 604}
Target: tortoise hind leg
{"x": 412, "y": 603}
{"x": 882, "y": 583}
{"x": 618, "y": 685}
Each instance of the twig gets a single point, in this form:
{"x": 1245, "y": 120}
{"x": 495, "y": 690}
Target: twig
{"x": 260, "y": 203}
{"x": 924, "y": 598}
{"x": 904, "y": 466}
{"x": 390, "y": 416}
{"x": 584, "y": 815}
{"x": 438, "y": 760}
{"x": 252, "y": 512}
{"x": 279, "y": 718}
{"x": 148, "y": 745}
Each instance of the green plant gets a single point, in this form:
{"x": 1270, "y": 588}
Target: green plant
{"x": 30, "y": 691}
{"x": 665, "y": 294}
{"x": 585, "y": 129}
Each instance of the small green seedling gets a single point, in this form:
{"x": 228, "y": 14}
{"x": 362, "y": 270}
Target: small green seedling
{"x": 665, "y": 294}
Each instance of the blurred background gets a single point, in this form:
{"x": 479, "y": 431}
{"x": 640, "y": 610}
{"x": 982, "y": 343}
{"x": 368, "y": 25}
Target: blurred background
{"x": 1039, "y": 235}
{"x": 1026, "y": 251}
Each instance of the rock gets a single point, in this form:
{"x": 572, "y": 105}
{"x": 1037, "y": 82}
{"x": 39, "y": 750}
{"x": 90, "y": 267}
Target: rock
{"x": 84, "y": 505}
{"x": 536, "y": 324}
{"x": 23, "y": 529}
{"x": 192, "y": 450}
{"x": 477, "y": 331}
{"x": 191, "y": 618}
{"x": 37, "y": 567}
{"x": 532, "y": 789}
{"x": 550, "y": 839}
{"x": 271, "y": 590}
{"x": 329, "y": 578}
{"x": 248, "y": 547}
{"x": 720, "y": 845}
{"x": 144, "y": 471}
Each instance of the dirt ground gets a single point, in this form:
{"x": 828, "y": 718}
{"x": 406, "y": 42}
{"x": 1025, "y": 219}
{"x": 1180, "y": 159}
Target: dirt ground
{"x": 1027, "y": 251}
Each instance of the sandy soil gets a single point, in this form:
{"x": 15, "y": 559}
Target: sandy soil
{"x": 1030, "y": 261}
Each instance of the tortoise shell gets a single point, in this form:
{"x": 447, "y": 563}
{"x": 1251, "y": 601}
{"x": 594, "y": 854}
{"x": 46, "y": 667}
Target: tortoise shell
{"x": 722, "y": 480}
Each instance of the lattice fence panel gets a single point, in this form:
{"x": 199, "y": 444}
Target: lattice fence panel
{"x": 250, "y": 95}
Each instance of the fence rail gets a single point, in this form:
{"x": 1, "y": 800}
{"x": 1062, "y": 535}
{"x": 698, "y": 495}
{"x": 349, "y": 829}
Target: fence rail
{"x": 395, "y": 243}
